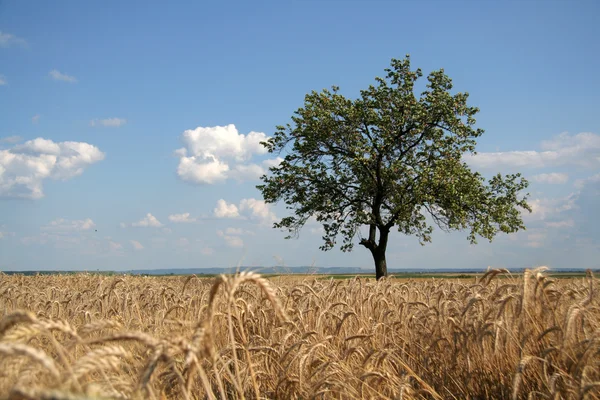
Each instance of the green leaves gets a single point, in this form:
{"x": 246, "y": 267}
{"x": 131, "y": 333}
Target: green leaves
{"x": 388, "y": 159}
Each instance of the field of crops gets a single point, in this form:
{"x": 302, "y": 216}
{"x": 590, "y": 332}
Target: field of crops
{"x": 88, "y": 336}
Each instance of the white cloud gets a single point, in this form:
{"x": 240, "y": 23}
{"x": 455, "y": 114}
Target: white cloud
{"x": 11, "y": 139}
{"x": 234, "y": 231}
{"x": 258, "y": 209}
{"x": 115, "y": 246}
{"x": 208, "y": 152}
{"x": 231, "y": 240}
{"x": 544, "y": 208}
{"x": 272, "y": 162}
{"x": 182, "y": 152}
{"x": 223, "y": 142}
{"x": 247, "y": 172}
{"x": 582, "y": 150}
{"x": 181, "y": 218}
{"x": 234, "y": 241}
{"x": 35, "y": 119}
{"x": 208, "y": 171}
{"x": 224, "y": 210}
{"x": 3, "y": 80}
{"x": 232, "y": 236}
{"x": 65, "y": 225}
{"x": 109, "y": 122}
{"x": 554, "y": 178}
{"x": 580, "y": 183}
{"x": 7, "y": 40}
{"x": 148, "y": 221}
{"x": 248, "y": 209}
{"x": 58, "y": 76}
{"x": 136, "y": 245}
{"x": 24, "y": 167}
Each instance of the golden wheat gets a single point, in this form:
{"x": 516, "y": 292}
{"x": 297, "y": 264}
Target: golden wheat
{"x": 243, "y": 336}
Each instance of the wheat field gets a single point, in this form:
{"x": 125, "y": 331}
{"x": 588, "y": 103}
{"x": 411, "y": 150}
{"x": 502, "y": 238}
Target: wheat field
{"x": 89, "y": 336}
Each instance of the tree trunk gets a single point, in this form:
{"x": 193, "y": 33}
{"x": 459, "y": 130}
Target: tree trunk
{"x": 377, "y": 249}
{"x": 380, "y": 264}
{"x": 379, "y": 254}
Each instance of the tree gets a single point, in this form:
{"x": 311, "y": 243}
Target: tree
{"x": 388, "y": 159}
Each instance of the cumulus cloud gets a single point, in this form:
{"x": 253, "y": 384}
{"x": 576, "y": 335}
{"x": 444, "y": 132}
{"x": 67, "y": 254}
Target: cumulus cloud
{"x": 223, "y": 142}
{"x": 231, "y": 240}
{"x": 24, "y": 167}
{"x": 234, "y": 231}
{"x": 136, "y": 245}
{"x": 544, "y": 208}
{"x": 232, "y": 236}
{"x": 272, "y": 162}
{"x": 554, "y": 178}
{"x": 149, "y": 221}
{"x": 247, "y": 172}
{"x": 181, "y": 218}
{"x": 65, "y": 225}
{"x": 209, "y": 151}
{"x": 251, "y": 208}
{"x": 258, "y": 209}
{"x": 580, "y": 183}
{"x": 109, "y": 122}
{"x": 209, "y": 170}
{"x": 225, "y": 210}
{"x": 576, "y": 214}
{"x": 8, "y": 40}
{"x": 115, "y": 246}
{"x": 59, "y": 76}
{"x": 581, "y": 150}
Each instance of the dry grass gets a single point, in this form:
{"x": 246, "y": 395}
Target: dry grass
{"x": 90, "y": 336}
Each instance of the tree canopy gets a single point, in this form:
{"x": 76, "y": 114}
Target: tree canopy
{"x": 388, "y": 159}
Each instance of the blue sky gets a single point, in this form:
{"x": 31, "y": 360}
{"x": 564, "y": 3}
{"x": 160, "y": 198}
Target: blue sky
{"x": 109, "y": 112}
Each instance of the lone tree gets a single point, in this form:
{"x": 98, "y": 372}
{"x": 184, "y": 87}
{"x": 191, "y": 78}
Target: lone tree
{"x": 388, "y": 159}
